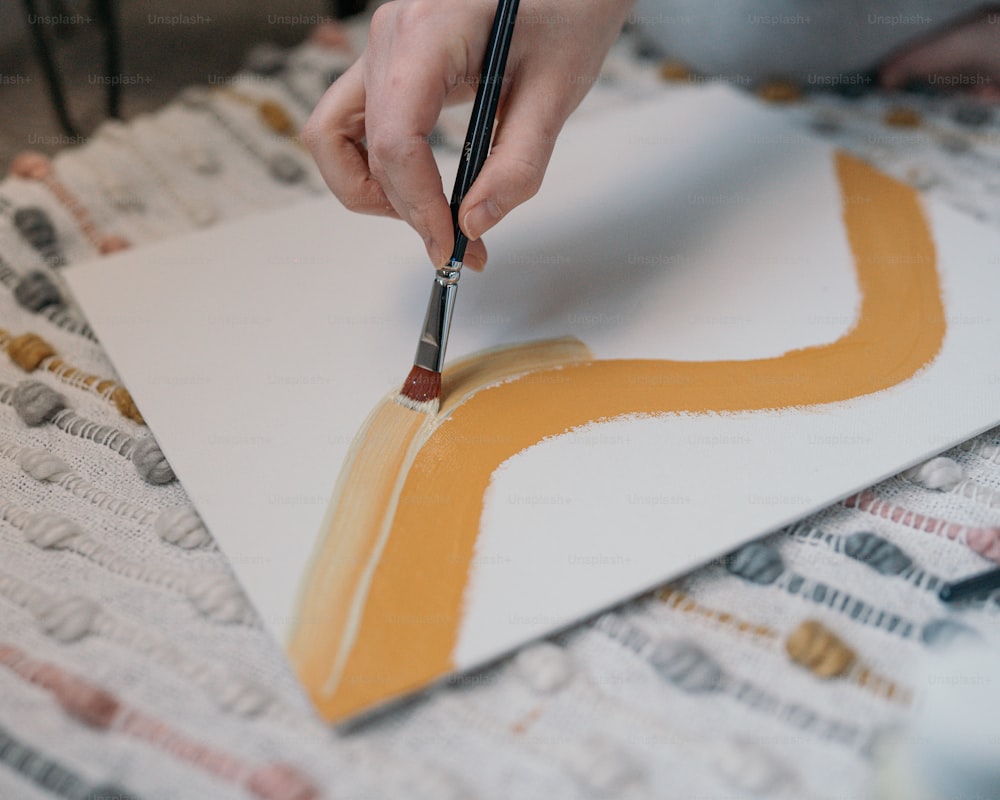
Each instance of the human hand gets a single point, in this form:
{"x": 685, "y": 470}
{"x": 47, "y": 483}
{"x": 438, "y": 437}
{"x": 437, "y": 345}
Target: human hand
{"x": 965, "y": 56}
{"x": 369, "y": 132}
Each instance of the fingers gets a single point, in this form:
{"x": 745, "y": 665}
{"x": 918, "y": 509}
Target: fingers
{"x": 475, "y": 256}
{"x": 522, "y": 147}
{"x": 369, "y": 133}
{"x": 547, "y": 81}
{"x": 920, "y": 64}
{"x": 363, "y": 179}
{"x": 334, "y": 134}
{"x": 967, "y": 56}
{"x": 407, "y": 82}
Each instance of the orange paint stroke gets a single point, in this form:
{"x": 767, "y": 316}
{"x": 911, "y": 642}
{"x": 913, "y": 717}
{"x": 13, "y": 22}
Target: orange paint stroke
{"x": 355, "y": 530}
{"x": 407, "y": 630}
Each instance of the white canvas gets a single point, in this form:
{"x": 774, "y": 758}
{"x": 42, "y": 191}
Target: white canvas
{"x": 699, "y": 226}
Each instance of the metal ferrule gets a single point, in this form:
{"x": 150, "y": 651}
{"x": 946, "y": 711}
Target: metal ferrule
{"x": 437, "y": 323}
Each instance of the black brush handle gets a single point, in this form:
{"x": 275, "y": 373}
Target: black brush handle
{"x": 983, "y": 583}
{"x": 484, "y": 109}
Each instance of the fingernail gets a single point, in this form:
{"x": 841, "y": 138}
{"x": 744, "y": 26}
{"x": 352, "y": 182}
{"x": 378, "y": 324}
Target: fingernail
{"x": 481, "y": 218}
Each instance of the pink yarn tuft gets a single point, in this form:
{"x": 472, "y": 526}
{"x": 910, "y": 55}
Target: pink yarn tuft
{"x": 985, "y": 541}
{"x": 281, "y": 782}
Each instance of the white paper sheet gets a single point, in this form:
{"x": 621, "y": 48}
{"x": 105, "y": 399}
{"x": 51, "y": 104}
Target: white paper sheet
{"x": 699, "y": 226}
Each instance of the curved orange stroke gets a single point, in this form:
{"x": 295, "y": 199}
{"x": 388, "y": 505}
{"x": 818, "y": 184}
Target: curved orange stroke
{"x": 360, "y": 512}
{"x": 422, "y": 574}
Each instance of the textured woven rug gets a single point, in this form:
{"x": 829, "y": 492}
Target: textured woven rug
{"x": 131, "y": 664}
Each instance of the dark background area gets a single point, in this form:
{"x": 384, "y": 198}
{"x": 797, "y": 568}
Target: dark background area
{"x": 165, "y": 45}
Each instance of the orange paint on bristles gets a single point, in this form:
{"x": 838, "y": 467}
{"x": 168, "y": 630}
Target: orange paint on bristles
{"x": 422, "y": 385}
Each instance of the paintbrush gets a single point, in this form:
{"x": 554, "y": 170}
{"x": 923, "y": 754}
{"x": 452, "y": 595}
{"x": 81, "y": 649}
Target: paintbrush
{"x": 976, "y": 586}
{"x": 422, "y": 388}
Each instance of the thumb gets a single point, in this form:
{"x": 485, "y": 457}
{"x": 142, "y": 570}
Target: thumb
{"x": 514, "y": 170}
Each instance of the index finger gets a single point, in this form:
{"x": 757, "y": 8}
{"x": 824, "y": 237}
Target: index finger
{"x": 412, "y": 68}
{"x": 334, "y": 134}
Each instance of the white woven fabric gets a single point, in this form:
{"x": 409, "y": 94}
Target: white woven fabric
{"x": 655, "y": 699}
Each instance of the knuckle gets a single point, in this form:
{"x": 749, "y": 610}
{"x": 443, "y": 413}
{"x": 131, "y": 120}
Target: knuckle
{"x": 401, "y": 18}
{"x": 390, "y": 148}
{"x": 421, "y": 215}
{"x": 313, "y": 134}
{"x": 364, "y": 197}
{"x": 376, "y": 165}
{"x": 383, "y": 19}
{"x": 525, "y": 178}
{"x": 413, "y": 13}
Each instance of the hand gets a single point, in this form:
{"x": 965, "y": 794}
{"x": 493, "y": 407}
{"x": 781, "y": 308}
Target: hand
{"x": 369, "y": 131}
{"x": 966, "y": 56}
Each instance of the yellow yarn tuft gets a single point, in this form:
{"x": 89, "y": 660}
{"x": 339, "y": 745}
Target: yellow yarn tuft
{"x": 126, "y": 406}
{"x": 29, "y": 350}
{"x": 819, "y": 650}
{"x": 276, "y": 118}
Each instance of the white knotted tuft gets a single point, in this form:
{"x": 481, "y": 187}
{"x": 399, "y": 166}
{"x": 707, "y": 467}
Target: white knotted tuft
{"x": 544, "y": 666}
{"x": 183, "y": 527}
{"x": 941, "y": 474}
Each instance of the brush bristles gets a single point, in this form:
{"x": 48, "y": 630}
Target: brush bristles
{"x": 421, "y": 390}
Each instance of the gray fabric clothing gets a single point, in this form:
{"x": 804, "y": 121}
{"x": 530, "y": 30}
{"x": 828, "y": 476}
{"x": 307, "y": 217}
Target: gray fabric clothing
{"x": 805, "y": 41}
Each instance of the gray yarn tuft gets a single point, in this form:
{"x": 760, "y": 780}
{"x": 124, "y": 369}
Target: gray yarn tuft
{"x": 36, "y": 290}
{"x": 265, "y": 59}
{"x": 686, "y": 666}
{"x": 36, "y": 226}
{"x": 878, "y": 553}
{"x": 150, "y": 462}
{"x": 36, "y": 403}
{"x": 939, "y": 634}
{"x": 285, "y": 169}
{"x": 973, "y": 114}
{"x": 757, "y": 563}
{"x": 108, "y": 791}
